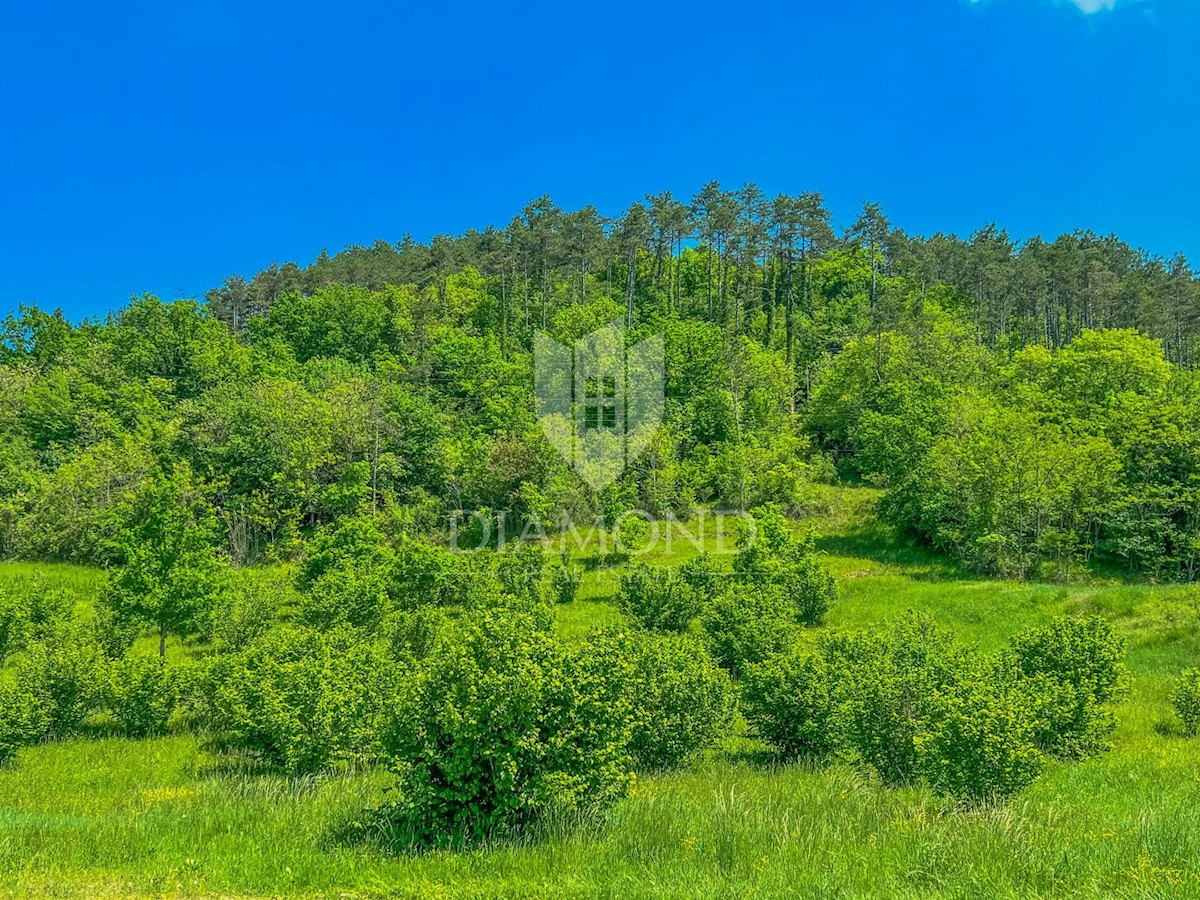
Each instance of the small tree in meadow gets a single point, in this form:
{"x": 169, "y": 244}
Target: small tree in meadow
{"x": 172, "y": 573}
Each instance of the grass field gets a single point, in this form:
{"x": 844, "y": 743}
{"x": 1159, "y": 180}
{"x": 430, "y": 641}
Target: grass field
{"x": 113, "y": 817}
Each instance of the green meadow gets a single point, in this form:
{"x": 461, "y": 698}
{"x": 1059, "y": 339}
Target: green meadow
{"x": 111, "y": 817}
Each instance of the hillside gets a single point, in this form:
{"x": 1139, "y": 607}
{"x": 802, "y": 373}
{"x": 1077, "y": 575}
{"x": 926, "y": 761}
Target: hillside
{"x": 106, "y": 816}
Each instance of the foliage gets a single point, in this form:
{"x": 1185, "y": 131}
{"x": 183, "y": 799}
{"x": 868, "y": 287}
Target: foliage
{"x": 912, "y": 704}
{"x": 771, "y": 558}
{"x": 172, "y": 574}
{"x": 788, "y": 700}
{"x": 659, "y": 598}
{"x": 744, "y": 625}
{"x": 682, "y": 702}
{"x": 348, "y": 576}
{"x": 1068, "y": 671}
{"x": 65, "y": 675}
{"x": 565, "y": 581}
{"x": 1185, "y": 698}
{"x": 298, "y": 699}
{"x": 144, "y": 692}
{"x": 24, "y": 717}
{"x": 252, "y": 602}
{"x": 521, "y": 570}
{"x": 428, "y": 574}
{"x": 504, "y": 725}
{"x": 29, "y": 611}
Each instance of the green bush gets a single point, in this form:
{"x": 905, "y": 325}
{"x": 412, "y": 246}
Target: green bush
{"x": 247, "y": 610}
{"x": 746, "y": 625}
{"x": 24, "y": 718}
{"x": 29, "y": 611}
{"x": 428, "y": 574}
{"x": 347, "y": 596}
{"x": 682, "y": 701}
{"x": 886, "y": 682}
{"x": 976, "y": 740}
{"x": 659, "y": 599}
{"x": 771, "y": 557}
{"x": 1067, "y": 671}
{"x": 1186, "y": 700}
{"x": 413, "y": 634}
{"x": 787, "y": 700}
{"x": 116, "y": 633}
{"x": 702, "y": 576}
{"x": 348, "y": 576}
{"x": 299, "y": 699}
{"x": 505, "y": 724}
{"x": 908, "y": 702}
{"x": 354, "y": 543}
{"x": 67, "y": 673}
{"x": 520, "y": 569}
{"x": 565, "y": 582}
{"x": 144, "y": 692}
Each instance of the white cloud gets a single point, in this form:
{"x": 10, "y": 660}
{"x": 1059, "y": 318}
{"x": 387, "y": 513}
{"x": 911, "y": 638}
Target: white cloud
{"x": 1087, "y": 7}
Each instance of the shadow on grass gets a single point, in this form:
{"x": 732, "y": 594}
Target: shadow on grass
{"x": 882, "y": 544}
{"x": 767, "y": 759}
{"x": 599, "y": 562}
{"x": 381, "y": 829}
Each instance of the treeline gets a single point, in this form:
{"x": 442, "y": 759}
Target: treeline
{"x": 1007, "y": 426}
{"x": 402, "y": 402}
{"x": 775, "y": 269}
{"x": 1029, "y": 465}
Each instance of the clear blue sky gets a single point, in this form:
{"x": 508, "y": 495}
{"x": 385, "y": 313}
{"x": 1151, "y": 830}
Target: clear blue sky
{"x": 150, "y": 148}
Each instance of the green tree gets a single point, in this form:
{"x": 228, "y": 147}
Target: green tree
{"x": 172, "y": 573}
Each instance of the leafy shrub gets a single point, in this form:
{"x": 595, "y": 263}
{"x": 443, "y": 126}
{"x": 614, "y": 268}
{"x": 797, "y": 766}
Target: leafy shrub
{"x": 682, "y": 701}
{"x": 144, "y": 692}
{"x": 114, "y": 631}
{"x": 347, "y": 596}
{"x": 886, "y": 682}
{"x": 247, "y": 610}
{"x": 347, "y": 577}
{"x": 428, "y": 574}
{"x": 1186, "y": 700}
{"x": 658, "y": 599}
{"x": 702, "y": 576}
{"x": 1068, "y": 670}
{"x": 789, "y": 702}
{"x": 24, "y": 718}
{"x": 299, "y": 699}
{"x": 29, "y": 611}
{"x": 770, "y": 556}
{"x": 565, "y": 582}
{"x": 977, "y": 740}
{"x": 746, "y": 625}
{"x": 413, "y": 633}
{"x": 521, "y": 570}
{"x": 912, "y": 704}
{"x": 351, "y": 542}
{"x": 505, "y": 724}
{"x": 67, "y": 674}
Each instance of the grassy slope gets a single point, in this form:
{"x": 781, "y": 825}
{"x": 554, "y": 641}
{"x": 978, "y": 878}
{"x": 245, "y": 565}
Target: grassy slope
{"x": 116, "y": 818}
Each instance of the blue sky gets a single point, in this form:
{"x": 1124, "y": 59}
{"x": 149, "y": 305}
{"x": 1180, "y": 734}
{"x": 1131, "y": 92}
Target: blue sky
{"x": 148, "y": 148}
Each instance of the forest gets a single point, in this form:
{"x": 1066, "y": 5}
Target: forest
{"x": 308, "y": 532}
